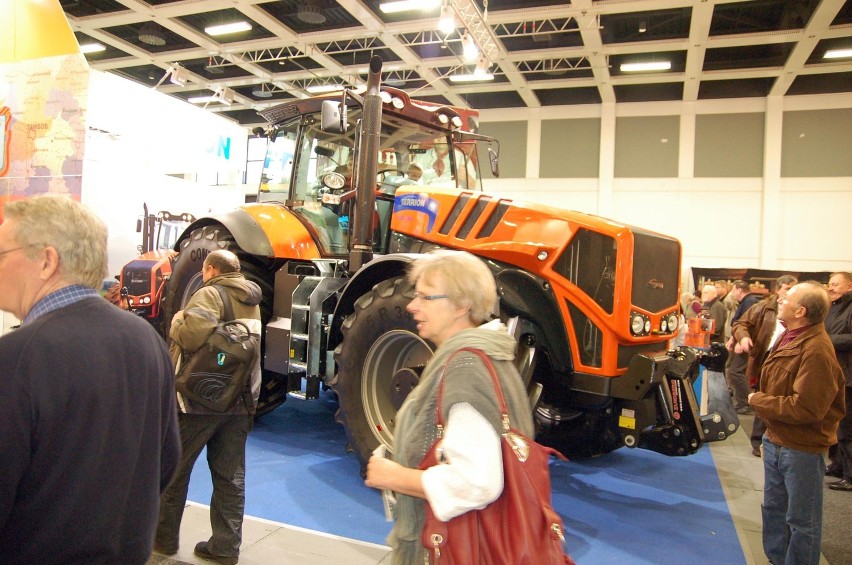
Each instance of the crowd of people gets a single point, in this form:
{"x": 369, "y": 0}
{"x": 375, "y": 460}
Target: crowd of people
{"x": 789, "y": 365}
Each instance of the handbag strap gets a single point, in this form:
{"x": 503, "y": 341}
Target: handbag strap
{"x": 228, "y": 314}
{"x": 501, "y": 401}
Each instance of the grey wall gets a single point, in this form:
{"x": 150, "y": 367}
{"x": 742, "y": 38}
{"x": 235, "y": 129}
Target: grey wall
{"x": 817, "y": 143}
{"x": 647, "y": 146}
{"x": 729, "y": 145}
{"x": 513, "y": 148}
{"x": 570, "y": 148}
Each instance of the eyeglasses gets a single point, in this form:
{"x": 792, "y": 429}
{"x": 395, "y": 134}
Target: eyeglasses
{"x": 419, "y": 296}
{"x": 15, "y": 249}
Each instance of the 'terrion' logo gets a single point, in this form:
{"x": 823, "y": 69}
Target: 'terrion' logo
{"x": 654, "y": 283}
{"x": 417, "y": 203}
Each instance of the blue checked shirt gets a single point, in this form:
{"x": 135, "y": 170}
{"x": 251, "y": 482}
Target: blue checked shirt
{"x": 59, "y": 299}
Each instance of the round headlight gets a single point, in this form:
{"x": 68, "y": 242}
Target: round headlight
{"x": 334, "y": 181}
{"x": 663, "y": 325}
{"x": 647, "y": 326}
{"x": 637, "y": 322}
{"x": 673, "y": 322}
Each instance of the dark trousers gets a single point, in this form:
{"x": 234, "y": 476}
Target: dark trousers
{"x": 225, "y": 439}
{"x": 735, "y": 373}
{"x": 841, "y": 452}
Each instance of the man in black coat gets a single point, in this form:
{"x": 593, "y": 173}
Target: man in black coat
{"x": 838, "y": 324}
{"x": 89, "y": 430}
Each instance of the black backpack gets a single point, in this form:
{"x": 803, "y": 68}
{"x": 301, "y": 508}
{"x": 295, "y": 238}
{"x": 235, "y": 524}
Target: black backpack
{"x": 219, "y": 372}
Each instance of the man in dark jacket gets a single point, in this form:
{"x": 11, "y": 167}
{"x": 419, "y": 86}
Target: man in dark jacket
{"x": 223, "y": 433}
{"x": 838, "y": 324}
{"x": 88, "y": 433}
{"x": 754, "y": 333}
{"x": 801, "y": 400}
{"x": 735, "y": 371}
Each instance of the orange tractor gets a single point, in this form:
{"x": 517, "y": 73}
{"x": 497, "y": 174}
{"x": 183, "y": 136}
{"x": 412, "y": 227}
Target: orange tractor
{"x": 355, "y": 187}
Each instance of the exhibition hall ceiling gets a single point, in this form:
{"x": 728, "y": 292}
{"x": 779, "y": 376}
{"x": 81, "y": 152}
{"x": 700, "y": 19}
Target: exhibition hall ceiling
{"x": 535, "y": 52}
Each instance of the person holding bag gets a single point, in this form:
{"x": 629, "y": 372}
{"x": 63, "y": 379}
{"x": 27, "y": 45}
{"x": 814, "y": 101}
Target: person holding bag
{"x": 454, "y": 296}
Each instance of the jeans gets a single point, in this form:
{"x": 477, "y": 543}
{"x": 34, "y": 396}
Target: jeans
{"x": 792, "y": 505}
{"x": 225, "y": 439}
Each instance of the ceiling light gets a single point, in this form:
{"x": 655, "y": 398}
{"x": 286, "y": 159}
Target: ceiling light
{"x": 92, "y": 48}
{"x": 651, "y": 66}
{"x": 201, "y": 99}
{"x": 150, "y": 33}
{"x": 213, "y": 67}
{"x": 480, "y": 73}
{"x": 261, "y": 91}
{"x": 447, "y": 21}
{"x": 469, "y": 48}
{"x": 837, "y": 53}
{"x": 310, "y": 13}
{"x": 323, "y": 88}
{"x": 407, "y": 5}
{"x": 224, "y": 95}
{"x": 225, "y": 29}
{"x": 643, "y": 27}
{"x": 178, "y": 75}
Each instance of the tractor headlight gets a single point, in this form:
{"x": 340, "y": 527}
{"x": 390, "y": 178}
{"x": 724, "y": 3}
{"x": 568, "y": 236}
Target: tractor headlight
{"x": 673, "y": 323}
{"x": 637, "y": 324}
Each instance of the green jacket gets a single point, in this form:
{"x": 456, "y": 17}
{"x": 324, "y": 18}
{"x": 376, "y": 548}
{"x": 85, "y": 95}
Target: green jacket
{"x": 203, "y": 312}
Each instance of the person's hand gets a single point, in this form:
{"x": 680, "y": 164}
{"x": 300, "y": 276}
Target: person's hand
{"x": 738, "y": 348}
{"x": 749, "y": 397}
{"x": 729, "y": 345}
{"x": 381, "y": 472}
{"x": 746, "y": 344}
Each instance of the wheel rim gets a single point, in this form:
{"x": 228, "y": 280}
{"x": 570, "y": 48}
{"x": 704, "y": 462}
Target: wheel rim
{"x": 385, "y": 371}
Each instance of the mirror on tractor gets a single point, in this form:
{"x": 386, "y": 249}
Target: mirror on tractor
{"x": 493, "y": 158}
{"x": 334, "y": 116}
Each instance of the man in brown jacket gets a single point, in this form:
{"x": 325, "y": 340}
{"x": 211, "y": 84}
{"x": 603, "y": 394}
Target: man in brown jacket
{"x": 754, "y": 332}
{"x": 801, "y": 400}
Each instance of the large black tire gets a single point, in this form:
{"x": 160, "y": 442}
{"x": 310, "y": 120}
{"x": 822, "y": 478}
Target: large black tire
{"x": 378, "y": 363}
{"x": 186, "y": 279}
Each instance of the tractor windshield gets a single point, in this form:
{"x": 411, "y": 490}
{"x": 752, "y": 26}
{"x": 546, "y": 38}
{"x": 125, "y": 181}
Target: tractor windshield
{"x": 314, "y": 172}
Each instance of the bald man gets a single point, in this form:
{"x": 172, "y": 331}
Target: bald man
{"x": 801, "y": 401}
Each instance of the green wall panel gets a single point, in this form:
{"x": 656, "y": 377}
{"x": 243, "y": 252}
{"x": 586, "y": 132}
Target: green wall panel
{"x": 570, "y": 148}
{"x": 817, "y": 143}
{"x": 513, "y": 149}
{"x": 647, "y": 146}
{"x": 729, "y": 145}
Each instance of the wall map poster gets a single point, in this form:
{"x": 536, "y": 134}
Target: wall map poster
{"x": 43, "y": 110}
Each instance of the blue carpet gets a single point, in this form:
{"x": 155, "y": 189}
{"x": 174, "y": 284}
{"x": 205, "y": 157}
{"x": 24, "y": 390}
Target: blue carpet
{"x": 630, "y": 506}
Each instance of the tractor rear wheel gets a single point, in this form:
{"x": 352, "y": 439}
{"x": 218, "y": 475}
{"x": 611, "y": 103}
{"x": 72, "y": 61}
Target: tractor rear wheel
{"x": 186, "y": 279}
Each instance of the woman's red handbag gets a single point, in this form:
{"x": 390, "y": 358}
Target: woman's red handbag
{"x": 520, "y": 527}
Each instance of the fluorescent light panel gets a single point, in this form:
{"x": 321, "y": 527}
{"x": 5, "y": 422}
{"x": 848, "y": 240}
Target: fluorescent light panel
{"x": 471, "y": 77}
{"x": 651, "y": 66}
{"x": 837, "y": 53}
{"x": 224, "y": 29}
{"x": 201, "y": 99}
{"x": 408, "y": 5}
{"x": 321, "y": 88}
{"x": 92, "y": 48}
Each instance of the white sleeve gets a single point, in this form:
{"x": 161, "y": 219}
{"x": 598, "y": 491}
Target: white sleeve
{"x": 472, "y": 477}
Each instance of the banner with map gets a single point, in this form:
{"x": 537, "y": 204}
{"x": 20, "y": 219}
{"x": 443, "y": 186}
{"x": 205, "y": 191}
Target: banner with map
{"x": 42, "y": 126}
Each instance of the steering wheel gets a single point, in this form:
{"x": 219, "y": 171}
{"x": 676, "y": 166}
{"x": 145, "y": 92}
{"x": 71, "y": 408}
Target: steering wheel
{"x": 385, "y": 173}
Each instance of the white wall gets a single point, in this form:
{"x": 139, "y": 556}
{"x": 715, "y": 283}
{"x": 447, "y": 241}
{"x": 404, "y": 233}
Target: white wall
{"x": 770, "y": 222}
{"x": 145, "y": 147}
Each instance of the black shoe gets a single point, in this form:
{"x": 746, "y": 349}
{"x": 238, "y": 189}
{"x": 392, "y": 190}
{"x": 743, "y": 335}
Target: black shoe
{"x": 832, "y": 471}
{"x": 745, "y": 410}
{"x": 203, "y": 551}
{"x": 842, "y": 484}
{"x": 163, "y": 549}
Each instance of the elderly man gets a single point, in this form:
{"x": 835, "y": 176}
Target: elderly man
{"x": 89, "y": 435}
{"x": 715, "y": 310}
{"x": 801, "y": 400}
{"x": 838, "y": 324}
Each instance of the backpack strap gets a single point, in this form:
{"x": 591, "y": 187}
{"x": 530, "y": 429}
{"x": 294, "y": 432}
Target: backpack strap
{"x": 228, "y": 314}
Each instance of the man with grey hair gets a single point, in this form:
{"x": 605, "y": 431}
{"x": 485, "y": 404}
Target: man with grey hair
{"x": 801, "y": 401}
{"x": 715, "y": 311}
{"x": 89, "y": 434}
